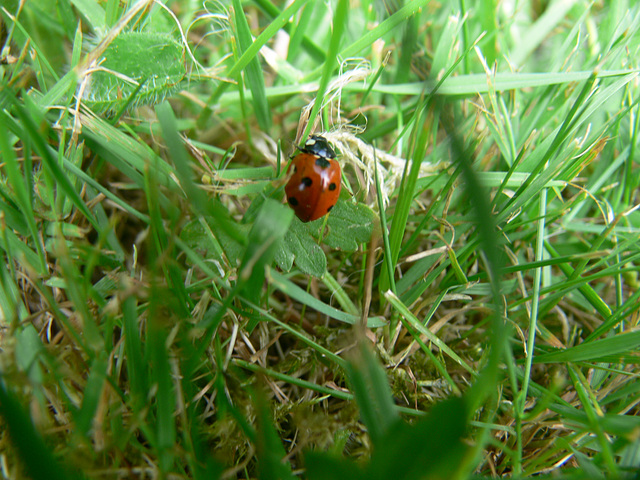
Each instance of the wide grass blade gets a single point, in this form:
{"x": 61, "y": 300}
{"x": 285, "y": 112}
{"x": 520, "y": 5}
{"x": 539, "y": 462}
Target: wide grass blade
{"x": 36, "y": 457}
{"x": 606, "y": 349}
{"x": 372, "y": 393}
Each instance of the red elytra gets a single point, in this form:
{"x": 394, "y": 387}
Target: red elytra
{"x": 314, "y": 186}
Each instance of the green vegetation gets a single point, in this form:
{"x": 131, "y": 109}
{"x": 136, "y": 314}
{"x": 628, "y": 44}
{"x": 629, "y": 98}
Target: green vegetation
{"x": 469, "y": 309}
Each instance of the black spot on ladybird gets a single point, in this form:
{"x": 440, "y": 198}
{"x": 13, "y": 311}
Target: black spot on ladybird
{"x": 332, "y": 187}
{"x": 306, "y": 181}
{"x": 293, "y": 201}
{"x": 322, "y": 162}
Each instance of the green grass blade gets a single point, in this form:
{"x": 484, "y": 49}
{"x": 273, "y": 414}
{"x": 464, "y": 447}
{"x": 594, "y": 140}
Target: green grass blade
{"x": 133, "y": 349}
{"x": 372, "y": 393}
{"x": 379, "y": 31}
{"x": 340, "y": 19}
{"x": 415, "y": 324}
{"x": 61, "y": 179}
{"x": 92, "y": 393}
{"x": 597, "y": 350}
{"x": 272, "y": 462}
{"x": 250, "y": 50}
{"x": 23, "y": 198}
{"x": 388, "y": 256}
{"x": 161, "y": 378}
{"x": 295, "y": 292}
{"x": 253, "y": 71}
{"x": 535, "y": 301}
{"x": 420, "y": 136}
{"x": 36, "y": 457}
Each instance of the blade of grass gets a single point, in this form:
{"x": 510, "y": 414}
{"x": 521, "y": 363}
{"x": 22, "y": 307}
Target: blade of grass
{"x": 164, "y": 406}
{"x": 436, "y": 361}
{"x": 23, "y": 199}
{"x": 339, "y": 24}
{"x": 420, "y": 136}
{"x": 298, "y": 382}
{"x": 310, "y": 47}
{"x": 535, "y": 302}
{"x": 299, "y": 335}
{"x": 627, "y": 310}
{"x": 250, "y": 54}
{"x": 287, "y": 287}
{"x": 253, "y": 71}
{"x": 535, "y": 35}
{"x": 586, "y": 290}
{"x": 593, "y": 351}
{"x": 484, "y": 385}
{"x": 593, "y": 418}
{"x": 339, "y": 294}
{"x": 28, "y": 127}
{"x": 92, "y": 393}
{"x": 162, "y": 247}
{"x": 11, "y": 306}
{"x": 373, "y": 394}
{"x": 372, "y": 35}
{"x": 40, "y": 54}
{"x": 272, "y": 459}
{"x": 133, "y": 349}
{"x": 416, "y": 324}
{"x": 298, "y": 31}
{"x": 76, "y": 289}
{"x": 36, "y": 457}
{"x": 382, "y": 215}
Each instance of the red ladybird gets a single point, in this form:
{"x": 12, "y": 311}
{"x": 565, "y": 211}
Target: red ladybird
{"x": 314, "y": 186}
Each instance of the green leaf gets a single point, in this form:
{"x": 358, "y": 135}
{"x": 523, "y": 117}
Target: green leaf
{"x": 348, "y": 225}
{"x": 300, "y": 246}
{"x": 142, "y": 68}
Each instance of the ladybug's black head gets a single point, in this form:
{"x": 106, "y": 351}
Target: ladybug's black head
{"x": 318, "y": 145}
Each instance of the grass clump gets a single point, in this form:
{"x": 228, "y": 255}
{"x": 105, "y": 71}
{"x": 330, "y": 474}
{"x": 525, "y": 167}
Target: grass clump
{"x": 468, "y": 309}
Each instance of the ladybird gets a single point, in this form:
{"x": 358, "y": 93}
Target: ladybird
{"x": 314, "y": 186}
